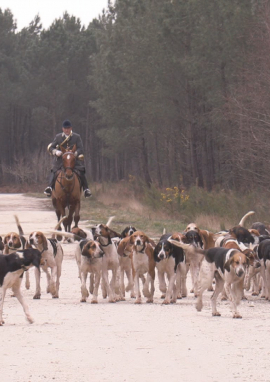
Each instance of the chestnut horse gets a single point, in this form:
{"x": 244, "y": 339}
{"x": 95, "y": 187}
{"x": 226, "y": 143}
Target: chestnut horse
{"x": 67, "y": 190}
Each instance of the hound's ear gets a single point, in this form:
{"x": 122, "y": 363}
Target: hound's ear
{"x": 121, "y": 247}
{"x": 44, "y": 243}
{"x": 36, "y": 258}
{"x": 228, "y": 264}
{"x": 23, "y": 240}
{"x": 5, "y": 240}
{"x": 112, "y": 233}
{"x": 150, "y": 241}
{"x": 149, "y": 250}
{"x": 184, "y": 239}
{"x": 201, "y": 240}
{"x": 27, "y": 245}
{"x": 232, "y": 232}
{"x": 131, "y": 239}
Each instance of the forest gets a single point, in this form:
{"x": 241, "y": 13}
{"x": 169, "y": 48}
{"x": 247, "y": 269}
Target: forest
{"x": 174, "y": 93}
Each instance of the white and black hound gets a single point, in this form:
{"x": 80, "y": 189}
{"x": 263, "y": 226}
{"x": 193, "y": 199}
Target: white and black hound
{"x": 12, "y": 268}
{"x": 167, "y": 257}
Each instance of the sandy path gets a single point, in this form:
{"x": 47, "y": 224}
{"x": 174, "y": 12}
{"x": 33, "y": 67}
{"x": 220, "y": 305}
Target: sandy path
{"x": 75, "y": 342}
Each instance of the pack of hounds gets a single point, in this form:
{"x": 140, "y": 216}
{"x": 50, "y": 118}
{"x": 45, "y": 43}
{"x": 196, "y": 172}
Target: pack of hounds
{"x": 227, "y": 263}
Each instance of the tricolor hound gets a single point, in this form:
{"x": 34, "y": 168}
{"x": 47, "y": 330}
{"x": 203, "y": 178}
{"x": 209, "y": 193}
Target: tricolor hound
{"x": 16, "y": 241}
{"x": 52, "y": 257}
{"x": 167, "y": 257}
{"x": 89, "y": 260}
{"x": 142, "y": 259}
{"x": 103, "y": 234}
{"x": 228, "y": 267}
{"x": 12, "y": 268}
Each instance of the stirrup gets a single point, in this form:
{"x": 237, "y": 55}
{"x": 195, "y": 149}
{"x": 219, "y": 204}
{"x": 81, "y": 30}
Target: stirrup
{"x": 87, "y": 193}
{"x": 48, "y": 191}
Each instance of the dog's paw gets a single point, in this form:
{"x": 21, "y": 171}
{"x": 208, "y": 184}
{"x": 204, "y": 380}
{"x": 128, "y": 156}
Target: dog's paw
{"x": 237, "y": 315}
{"x": 30, "y": 319}
{"x": 36, "y": 296}
{"x": 166, "y": 302}
{"x": 216, "y": 314}
{"x": 199, "y": 306}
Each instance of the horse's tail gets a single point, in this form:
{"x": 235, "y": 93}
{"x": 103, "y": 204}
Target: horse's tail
{"x": 21, "y": 233}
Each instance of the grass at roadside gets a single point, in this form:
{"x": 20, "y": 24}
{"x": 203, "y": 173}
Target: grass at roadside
{"x": 153, "y": 210}
{"x": 149, "y": 222}
{"x": 99, "y": 208}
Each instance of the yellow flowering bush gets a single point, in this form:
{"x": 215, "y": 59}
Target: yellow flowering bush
{"x": 174, "y": 196}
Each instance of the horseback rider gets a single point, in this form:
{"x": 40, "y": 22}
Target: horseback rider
{"x": 67, "y": 139}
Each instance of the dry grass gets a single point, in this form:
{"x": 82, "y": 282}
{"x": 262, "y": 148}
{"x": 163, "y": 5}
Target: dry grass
{"x": 143, "y": 209}
{"x": 213, "y": 223}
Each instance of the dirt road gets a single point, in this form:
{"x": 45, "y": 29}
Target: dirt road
{"x": 78, "y": 342}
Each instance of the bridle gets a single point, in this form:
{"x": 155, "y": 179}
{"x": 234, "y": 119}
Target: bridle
{"x": 68, "y": 167}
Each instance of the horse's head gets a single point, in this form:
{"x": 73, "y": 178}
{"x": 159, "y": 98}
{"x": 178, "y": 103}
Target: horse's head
{"x": 69, "y": 161}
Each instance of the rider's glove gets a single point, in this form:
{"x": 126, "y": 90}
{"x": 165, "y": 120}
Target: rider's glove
{"x": 76, "y": 154}
{"x": 57, "y": 152}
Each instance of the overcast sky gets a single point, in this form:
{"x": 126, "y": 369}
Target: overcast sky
{"x": 24, "y": 11}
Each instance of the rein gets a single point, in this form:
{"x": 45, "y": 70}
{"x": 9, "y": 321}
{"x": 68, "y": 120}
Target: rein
{"x": 62, "y": 186}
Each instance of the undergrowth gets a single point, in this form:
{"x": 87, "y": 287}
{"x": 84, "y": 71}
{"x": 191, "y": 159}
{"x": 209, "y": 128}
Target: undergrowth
{"x": 153, "y": 210}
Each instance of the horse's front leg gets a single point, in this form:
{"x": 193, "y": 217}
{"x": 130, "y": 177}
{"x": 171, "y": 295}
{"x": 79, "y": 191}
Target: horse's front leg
{"x": 60, "y": 212}
{"x": 68, "y": 221}
{"x": 77, "y": 214}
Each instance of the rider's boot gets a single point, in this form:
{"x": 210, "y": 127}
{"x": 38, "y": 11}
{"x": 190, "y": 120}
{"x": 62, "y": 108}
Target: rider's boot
{"x": 48, "y": 190}
{"x": 86, "y": 190}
